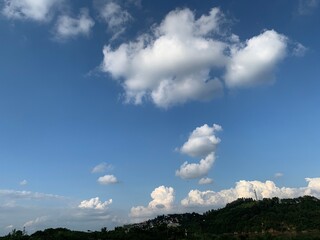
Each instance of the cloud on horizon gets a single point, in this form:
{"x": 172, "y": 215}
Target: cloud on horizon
{"x": 245, "y": 189}
{"x": 162, "y": 203}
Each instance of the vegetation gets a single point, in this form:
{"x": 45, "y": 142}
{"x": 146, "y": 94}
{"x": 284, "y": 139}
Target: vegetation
{"x": 294, "y": 219}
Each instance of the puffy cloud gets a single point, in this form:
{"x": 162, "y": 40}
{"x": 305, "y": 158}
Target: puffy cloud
{"x": 247, "y": 189}
{"x": 115, "y": 17}
{"x": 162, "y": 202}
{"x": 102, "y": 167}
{"x": 254, "y": 62}
{"x": 204, "y": 181}
{"x": 36, "y": 10}
{"x": 68, "y": 27}
{"x": 95, "y": 203}
{"x": 196, "y": 170}
{"x": 202, "y": 142}
{"x": 107, "y": 179}
{"x": 173, "y": 65}
{"x": 187, "y": 58}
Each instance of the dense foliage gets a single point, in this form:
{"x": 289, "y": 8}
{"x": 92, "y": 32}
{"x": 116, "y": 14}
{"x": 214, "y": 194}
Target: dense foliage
{"x": 297, "y": 218}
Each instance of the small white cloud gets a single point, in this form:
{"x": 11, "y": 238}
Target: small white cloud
{"x": 299, "y": 50}
{"x": 95, "y": 203}
{"x": 68, "y": 27}
{"x": 196, "y": 170}
{"x": 204, "y": 181}
{"x": 202, "y": 141}
{"x": 102, "y": 167}
{"x": 37, "y": 221}
{"x": 247, "y": 189}
{"x": 9, "y": 227}
{"x": 254, "y": 62}
{"x": 278, "y": 175}
{"x": 115, "y": 17}
{"x": 12, "y": 194}
{"x": 107, "y": 179}
{"x": 162, "y": 202}
{"x": 23, "y": 182}
{"x": 36, "y": 10}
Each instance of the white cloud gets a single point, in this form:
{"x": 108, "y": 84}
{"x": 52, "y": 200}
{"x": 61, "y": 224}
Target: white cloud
{"x": 37, "y": 221}
{"x": 254, "y": 62}
{"x": 95, "y": 203}
{"x": 23, "y": 182}
{"x": 202, "y": 141}
{"x": 246, "y": 189}
{"x": 115, "y": 17}
{"x": 68, "y": 27}
{"x": 107, "y": 179}
{"x": 205, "y": 180}
{"x": 187, "y": 58}
{"x": 162, "y": 203}
{"x": 299, "y": 50}
{"x": 196, "y": 170}
{"x": 12, "y": 194}
{"x": 36, "y": 10}
{"x": 102, "y": 167}
{"x": 171, "y": 66}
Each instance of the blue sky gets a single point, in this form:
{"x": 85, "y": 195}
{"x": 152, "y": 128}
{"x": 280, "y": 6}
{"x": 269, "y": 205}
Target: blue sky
{"x": 113, "y": 112}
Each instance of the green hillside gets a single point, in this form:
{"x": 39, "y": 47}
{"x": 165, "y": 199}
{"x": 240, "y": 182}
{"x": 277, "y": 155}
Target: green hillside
{"x": 297, "y": 218}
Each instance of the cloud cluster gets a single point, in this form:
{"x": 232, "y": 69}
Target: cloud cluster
{"x": 187, "y": 58}
{"x": 162, "y": 203}
{"x": 35, "y": 10}
{"x": 107, "y": 179}
{"x": 247, "y": 189}
{"x": 202, "y": 142}
{"x": 95, "y": 203}
{"x": 68, "y": 27}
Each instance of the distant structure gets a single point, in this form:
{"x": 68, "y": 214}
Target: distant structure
{"x": 255, "y": 194}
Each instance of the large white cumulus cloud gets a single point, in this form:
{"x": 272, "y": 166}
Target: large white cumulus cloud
{"x": 162, "y": 203}
{"x": 247, "y": 189}
{"x": 187, "y": 58}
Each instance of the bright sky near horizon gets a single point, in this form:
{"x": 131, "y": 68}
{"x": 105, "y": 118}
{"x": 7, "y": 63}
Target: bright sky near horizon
{"x": 116, "y": 111}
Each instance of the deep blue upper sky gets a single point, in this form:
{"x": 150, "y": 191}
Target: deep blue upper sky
{"x": 104, "y": 100}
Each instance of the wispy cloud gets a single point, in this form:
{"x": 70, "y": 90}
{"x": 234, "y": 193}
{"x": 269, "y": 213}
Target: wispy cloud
{"x": 35, "y": 10}
{"x": 307, "y": 7}
{"x": 115, "y": 17}
{"x": 69, "y": 27}
{"x": 102, "y": 167}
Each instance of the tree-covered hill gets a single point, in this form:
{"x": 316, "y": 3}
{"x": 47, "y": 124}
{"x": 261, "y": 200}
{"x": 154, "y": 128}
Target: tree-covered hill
{"x": 274, "y": 218}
